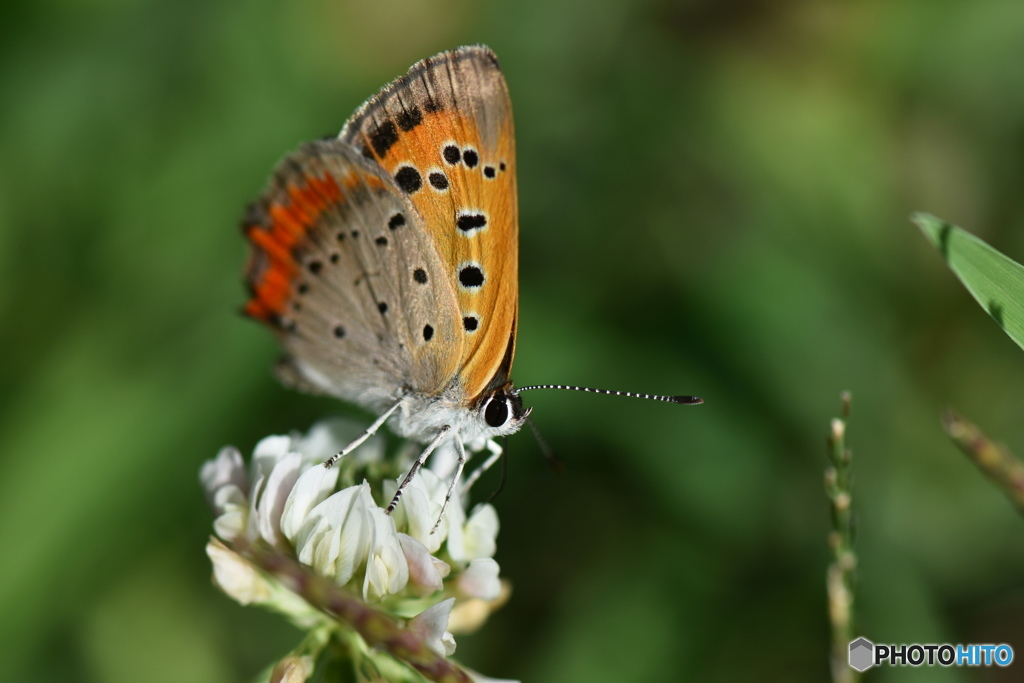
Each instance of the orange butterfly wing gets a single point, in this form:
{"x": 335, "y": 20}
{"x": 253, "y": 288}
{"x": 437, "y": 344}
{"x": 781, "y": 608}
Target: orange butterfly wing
{"x": 444, "y": 132}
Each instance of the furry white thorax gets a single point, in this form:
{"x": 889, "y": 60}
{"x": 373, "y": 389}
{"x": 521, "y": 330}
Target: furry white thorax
{"x": 421, "y": 417}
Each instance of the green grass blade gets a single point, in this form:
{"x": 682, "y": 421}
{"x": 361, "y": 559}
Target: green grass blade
{"x": 997, "y": 282}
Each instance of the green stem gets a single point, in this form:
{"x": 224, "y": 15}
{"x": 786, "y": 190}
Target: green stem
{"x": 839, "y": 578}
{"x": 1001, "y": 466}
{"x": 377, "y": 629}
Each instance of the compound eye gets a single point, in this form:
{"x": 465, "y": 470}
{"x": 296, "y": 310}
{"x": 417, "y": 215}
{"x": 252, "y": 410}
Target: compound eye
{"x": 496, "y": 412}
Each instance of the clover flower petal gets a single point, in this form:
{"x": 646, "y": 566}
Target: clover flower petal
{"x": 425, "y": 570}
{"x": 279, "y": 484}
{"x": 311, "y": 488}
{"x": 235, "y": 576}
{"x": 386, "y": 568}
{"x": 476, "y": 537}
{"x": 334, "y": 540}
{"x": 480, "y": 580}
{"x": 419, "y": 507}
{"x": 432, "y": 625}
{"x": 234, "y": 509}
{"x": 269, "y": 450}
{"x": 225, "y": 469}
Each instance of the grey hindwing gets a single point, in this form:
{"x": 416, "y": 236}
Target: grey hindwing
{"x": 372, "y": 316}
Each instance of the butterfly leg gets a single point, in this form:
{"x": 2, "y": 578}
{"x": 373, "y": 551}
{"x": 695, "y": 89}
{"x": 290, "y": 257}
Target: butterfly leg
{"x": 460, "y": 449}
{"x": 370, "y": 431}
{"x": 417, "y": 465}
{"x": 496, "y": 452}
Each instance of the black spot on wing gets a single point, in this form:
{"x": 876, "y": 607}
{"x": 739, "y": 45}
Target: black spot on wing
{"x": 409, "y": 118}
{"x": 471, "y": 277}
{"x": 438, "y": 180}
{"x": 409, "y": 179}
{"x": 432, "y": 106}
{"x": 384, "y": 137}
{"x": 451, "y": 154}
{"x": 471, "y": 221}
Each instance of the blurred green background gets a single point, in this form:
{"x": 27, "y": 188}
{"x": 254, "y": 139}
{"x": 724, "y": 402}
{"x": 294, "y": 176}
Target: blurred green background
{"x": 714, "y": 200}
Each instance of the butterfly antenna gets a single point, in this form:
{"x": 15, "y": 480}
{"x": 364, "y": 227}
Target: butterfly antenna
{"x": 504, "y": 470}
{"x": 681, "y": 400}
{"x": 556, "y": 465}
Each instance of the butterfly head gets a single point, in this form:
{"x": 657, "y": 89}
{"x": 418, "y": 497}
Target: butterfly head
{"x": 501, "y": 411}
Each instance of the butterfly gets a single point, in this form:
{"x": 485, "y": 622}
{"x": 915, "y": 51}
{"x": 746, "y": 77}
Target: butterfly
{"x": 386, "y": 260}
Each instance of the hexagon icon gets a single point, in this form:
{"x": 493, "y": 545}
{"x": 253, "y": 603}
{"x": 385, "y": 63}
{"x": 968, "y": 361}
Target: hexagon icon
{"x": 862, "y": 653}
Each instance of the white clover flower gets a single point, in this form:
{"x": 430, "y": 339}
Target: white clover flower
{"x": 287, "y": 503}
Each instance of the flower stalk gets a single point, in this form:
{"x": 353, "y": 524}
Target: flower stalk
{"x": 377, "y": 628}
{"x": 839, "y": 577}
{"x": 995, "y": 460}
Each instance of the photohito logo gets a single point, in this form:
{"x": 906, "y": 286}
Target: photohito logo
{"x": 864, "y": 654}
